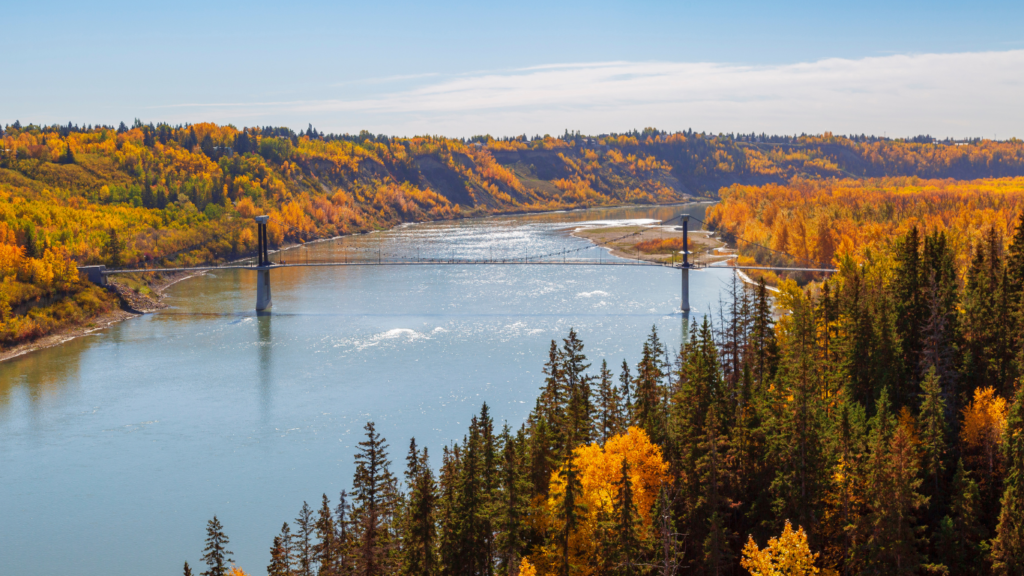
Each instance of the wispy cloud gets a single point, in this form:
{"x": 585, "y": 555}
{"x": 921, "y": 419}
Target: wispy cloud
{"x": 942, "y": 94}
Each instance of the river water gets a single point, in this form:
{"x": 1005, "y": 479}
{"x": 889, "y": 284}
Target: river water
{"x": 116, "y": 448}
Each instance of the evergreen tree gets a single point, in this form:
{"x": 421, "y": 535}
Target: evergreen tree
{"x": 762, "y": 338}
{"x": 207, "y": 146}
{"x": 280, "y": 554}
{"x": 910, "y": 307}
{"x": 242, "y": 144}
{"x": 325, "y": 551}
{"x": 892, "y": 544}
{"x": 932, "y": 432}
{"x": 374, "y": 493}
{"x": 188, "y": 570}
{"x": 68, "y": 157}
{"x": 344, "y": 535}
{"x": 649, "y": 406}
{"x": 216, "y": 555}
{"x": 578, "y": 421}
{"x": 1008, "y": 546}
{"x": 303, "y": 549}
{"x": 420, "y": 538}
{"x": 626, "y": 527}
{"x": 513, "y": 506}
{"x": 609, "y": 416}
{"x": 961, "y": 536}
{"x": 626, "y": 393}
{"x": 114, "y": 249}
{"x": 569, "y": 509}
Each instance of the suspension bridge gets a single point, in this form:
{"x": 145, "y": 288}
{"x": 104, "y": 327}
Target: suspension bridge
{"x": 263, "y": 264}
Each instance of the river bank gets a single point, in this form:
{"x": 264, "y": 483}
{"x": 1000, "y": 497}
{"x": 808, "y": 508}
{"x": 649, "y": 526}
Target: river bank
{"x": 131, "y": 304}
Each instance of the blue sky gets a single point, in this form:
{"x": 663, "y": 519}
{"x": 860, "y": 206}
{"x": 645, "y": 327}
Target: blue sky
{"x": 461, "y": 68}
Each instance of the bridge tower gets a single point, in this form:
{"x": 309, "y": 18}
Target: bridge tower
{"x": 685, "y": 304}
{"x": 263, "y": 267}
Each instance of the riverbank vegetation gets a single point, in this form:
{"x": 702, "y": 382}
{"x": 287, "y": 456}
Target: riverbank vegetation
{"x": 869, "y": 424}
{"x": 155, "y": 194}
{"x": 808, "y": 222}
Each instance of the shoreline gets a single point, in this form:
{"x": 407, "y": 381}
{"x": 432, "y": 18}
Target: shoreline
{"x": 94, "y": 324}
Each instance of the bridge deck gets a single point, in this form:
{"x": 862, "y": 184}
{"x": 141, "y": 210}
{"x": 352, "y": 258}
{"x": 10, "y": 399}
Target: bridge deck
{"x": 460, "y": 263}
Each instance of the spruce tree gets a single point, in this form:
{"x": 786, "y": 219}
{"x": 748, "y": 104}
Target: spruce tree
{"x": 325, "y": 551}
{"x": 305, "y": 527}
{"x": 568, "y": 510}
{"x": 1008, "y": 546}
{"x": 932, "y": 433}
{"x": 420, "y": 540}
{"x": 280, "y": 564}
{"x": 910, "y": 306}
{"x": 626, "y": 527}
{"x": 960, "y": 537}
{"x": 578, "y": 417}
{"x": 609, "y": 416}
{"x": 188, "y": 569}
{"x": 344, "y": 535}
{"x": 626, "y": 393}
{"x": 374, "y": 493}
{"x": 216, "y": 555}
{"x": 513, "y": 505}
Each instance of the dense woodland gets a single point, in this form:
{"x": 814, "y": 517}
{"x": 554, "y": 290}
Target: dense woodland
{"x": 872, "y": 423}
{"x": 155, "y": 194}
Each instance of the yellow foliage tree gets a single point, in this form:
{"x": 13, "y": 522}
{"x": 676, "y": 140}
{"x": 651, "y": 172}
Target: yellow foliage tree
{"x": 982, "y": 430}
{"x": 787, "y": 555}
{"x": 600, "y": 468}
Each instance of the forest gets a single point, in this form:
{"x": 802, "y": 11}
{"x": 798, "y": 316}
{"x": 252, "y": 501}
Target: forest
{"x": 151, "y": 195}
{"x": 868, "y": 423}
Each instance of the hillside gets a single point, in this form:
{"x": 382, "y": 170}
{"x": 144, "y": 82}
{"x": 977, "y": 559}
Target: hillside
{"x": 162, "y": 195}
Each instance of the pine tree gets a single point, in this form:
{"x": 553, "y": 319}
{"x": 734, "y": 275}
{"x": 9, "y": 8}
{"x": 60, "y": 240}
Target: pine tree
{"x": 893, "y": 542}
{"x": 344, "y": 535}
{"x": 609, "y": 416}
{"x": 932, "y": 432}
{"x": 513, "y": 506}
{"x": 577, "y": 426}
{"x": 303, "y": 549}
{"x": 420, "y": 540}
{"x": 961, "y": 536}
{"x": 626, "y": 529}
{"x": 626, "y": 393}
{"x": 279, "y": 558}
{"x": 910, "y": 306}
{"x": 216, "y": 555}
{"x": 242, "y": 143}
{"x": 568, "y": 511}
{"x": 374, "y": 493}
{"x": 1008, "y": 546}
{"x": 188, "y": 570}
{"x": 325, "y": 551}
{"x": 762, "y": 338}
{"x": 649, "y": 406}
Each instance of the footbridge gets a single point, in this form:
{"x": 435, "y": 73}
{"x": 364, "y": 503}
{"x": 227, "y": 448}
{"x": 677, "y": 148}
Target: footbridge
{"x": 263, "y": 264}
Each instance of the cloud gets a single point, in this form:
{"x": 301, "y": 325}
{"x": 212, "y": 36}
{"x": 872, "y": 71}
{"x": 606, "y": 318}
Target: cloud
{"x": 941, "y": 94}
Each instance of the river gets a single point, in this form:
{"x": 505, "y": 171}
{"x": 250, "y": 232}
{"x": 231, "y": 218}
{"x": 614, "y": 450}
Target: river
{"x": 116, "y": 448}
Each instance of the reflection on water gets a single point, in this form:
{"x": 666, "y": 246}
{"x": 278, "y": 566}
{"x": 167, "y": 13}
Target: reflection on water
{"x": 122, "y": 445}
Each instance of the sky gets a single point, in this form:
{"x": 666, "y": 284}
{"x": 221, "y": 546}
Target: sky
{"x": 895, "y": 68}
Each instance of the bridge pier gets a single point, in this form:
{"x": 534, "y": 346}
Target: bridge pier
{"x": 685, "y": 304}
{"x": 263, "y": 300}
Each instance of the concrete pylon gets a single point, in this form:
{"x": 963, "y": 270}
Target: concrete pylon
{"x": 685, "y": 305}
{"x": 262, "y": 289}
{"x": 263, "y": 300}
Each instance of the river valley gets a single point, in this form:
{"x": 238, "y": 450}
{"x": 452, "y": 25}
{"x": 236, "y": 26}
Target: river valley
{"x": 116, "y": 448}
